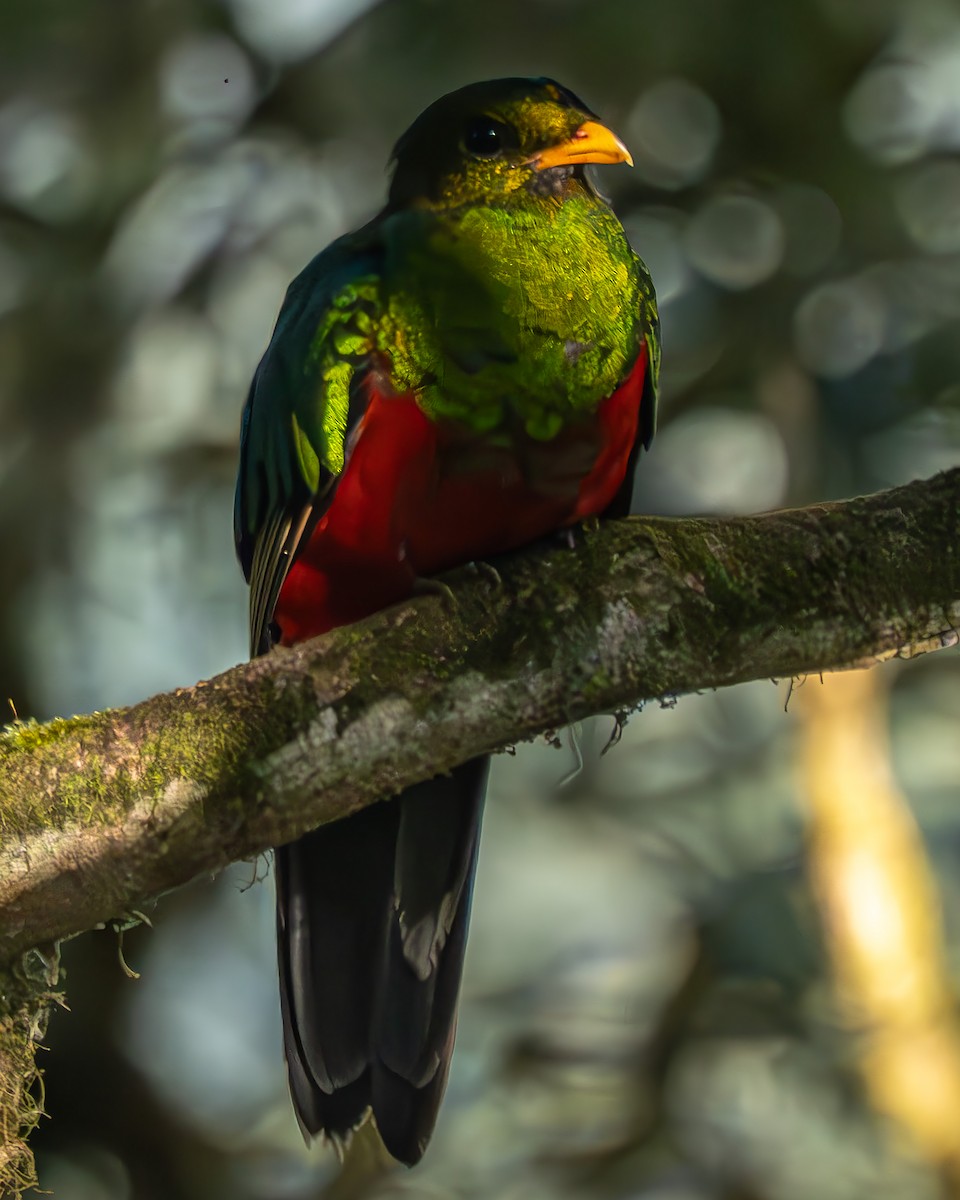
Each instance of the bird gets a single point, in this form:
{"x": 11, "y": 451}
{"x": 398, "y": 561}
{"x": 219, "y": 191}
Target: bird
{"x": 472, "y": 370}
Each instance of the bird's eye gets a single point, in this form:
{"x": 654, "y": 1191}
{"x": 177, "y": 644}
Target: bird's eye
{"x": 486, "y": 138}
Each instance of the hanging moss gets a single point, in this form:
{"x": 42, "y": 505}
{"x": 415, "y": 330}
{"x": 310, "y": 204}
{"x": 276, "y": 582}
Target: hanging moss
{"x": 25, "y": 1001}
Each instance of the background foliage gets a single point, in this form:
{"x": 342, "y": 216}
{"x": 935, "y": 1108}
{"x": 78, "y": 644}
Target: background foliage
{"x": 650, "y": 1007}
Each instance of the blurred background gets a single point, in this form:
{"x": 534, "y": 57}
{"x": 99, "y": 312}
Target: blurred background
{"x": 687, "y": 978}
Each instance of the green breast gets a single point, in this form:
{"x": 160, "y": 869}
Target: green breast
{"x": 531, "y": 311}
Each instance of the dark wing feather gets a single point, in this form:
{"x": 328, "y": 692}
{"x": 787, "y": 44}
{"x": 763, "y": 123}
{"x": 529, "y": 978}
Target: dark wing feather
{"x": 273, "y": 556}
{"x": 622, "y": 503}
{"x": 276, "y": 504}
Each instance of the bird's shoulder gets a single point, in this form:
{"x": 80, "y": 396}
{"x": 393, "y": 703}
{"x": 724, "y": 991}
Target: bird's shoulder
{"x": 297, "y": 415}
{"x": 308, "y": 395}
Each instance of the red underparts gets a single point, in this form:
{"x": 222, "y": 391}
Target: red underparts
{"x": 418, "y": 497}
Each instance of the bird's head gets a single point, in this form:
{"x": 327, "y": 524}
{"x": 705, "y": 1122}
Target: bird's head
{"x": 492, "y": 139}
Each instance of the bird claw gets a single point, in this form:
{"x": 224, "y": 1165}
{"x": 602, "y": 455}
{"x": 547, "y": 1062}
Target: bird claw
{"x": 569, "y": 535}
{"x": 488, "y": 569}
{"x": 435, "y": 587}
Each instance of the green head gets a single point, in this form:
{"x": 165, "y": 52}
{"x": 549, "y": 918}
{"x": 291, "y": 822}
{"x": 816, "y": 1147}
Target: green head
{"x": 492, "y": 139}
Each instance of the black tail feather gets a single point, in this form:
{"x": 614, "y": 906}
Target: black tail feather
{"x": 372, "y": 922}
{"x": 410, "y": 1075}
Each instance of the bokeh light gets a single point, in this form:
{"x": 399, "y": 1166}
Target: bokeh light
{"x": 907, "y": 103}
{"x": 839, "y": 327}
{"x": 674, "y": 130}
{"x": 287, "y": 30}
{"x": 208, "y": 84}
{"x": 722, "y": 460}
{"x": 45, "y": 164}
{"x": 735, "y": 241}
{"x": 929, "y": 202}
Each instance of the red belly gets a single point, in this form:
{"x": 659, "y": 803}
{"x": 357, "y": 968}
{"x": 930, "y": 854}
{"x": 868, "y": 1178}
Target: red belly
{"x": 418, "y": 497}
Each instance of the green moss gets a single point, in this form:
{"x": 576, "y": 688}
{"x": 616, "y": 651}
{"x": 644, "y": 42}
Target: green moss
{"x": 30, "y": 735}
{"x": 68, "y": 772}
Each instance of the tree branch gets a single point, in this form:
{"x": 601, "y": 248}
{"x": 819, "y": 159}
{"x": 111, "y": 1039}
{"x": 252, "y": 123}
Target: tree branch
{"x": 99, "y": 812}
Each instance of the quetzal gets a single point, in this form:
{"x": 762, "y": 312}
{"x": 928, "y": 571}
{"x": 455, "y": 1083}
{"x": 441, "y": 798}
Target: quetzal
{"x": 473, "y": 369}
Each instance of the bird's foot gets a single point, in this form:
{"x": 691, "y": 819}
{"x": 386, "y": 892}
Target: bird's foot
{"x": 569, "y": 535}
{"x": 435, "y": 587}
{"x": 489, "y": 570}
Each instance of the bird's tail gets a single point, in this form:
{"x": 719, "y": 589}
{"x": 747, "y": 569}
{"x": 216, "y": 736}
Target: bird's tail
{"x": 372, "y": 916}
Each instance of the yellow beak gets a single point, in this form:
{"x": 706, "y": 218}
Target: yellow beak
{"x": 592, "y": 143}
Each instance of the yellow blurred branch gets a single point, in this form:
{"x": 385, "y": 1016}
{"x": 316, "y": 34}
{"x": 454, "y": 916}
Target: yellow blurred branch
{"x": 881, "y": 913}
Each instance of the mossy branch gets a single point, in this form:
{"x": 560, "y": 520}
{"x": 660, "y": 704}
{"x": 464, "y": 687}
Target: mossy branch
{"x": 98, "y": 813}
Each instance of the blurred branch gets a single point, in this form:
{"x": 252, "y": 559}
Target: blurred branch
{"x": 882, "y": 916}
{"x": 99, "y": 812}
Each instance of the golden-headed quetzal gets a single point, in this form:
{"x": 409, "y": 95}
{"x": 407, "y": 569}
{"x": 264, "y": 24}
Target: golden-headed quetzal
{"x": 472, "y": 370}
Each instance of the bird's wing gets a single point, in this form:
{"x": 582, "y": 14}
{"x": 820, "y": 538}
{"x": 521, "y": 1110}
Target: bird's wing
{"x": 651, "y": 336}
{"x": 304, "y": 400}
{"x": 648, "y": 327}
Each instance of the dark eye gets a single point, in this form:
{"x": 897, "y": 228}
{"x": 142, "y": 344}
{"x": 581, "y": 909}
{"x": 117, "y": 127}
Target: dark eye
{"x": 486, "y": 137}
